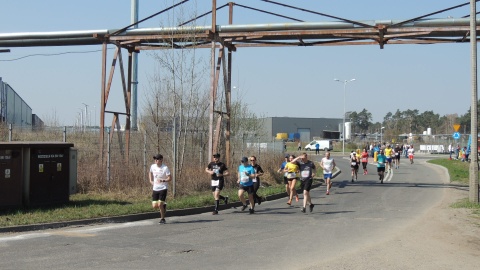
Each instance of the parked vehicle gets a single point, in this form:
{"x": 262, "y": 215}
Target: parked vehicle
{"x": 326, "y": 145}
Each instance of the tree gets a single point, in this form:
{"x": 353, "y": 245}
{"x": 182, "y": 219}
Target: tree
{"x": 364, "y": 117}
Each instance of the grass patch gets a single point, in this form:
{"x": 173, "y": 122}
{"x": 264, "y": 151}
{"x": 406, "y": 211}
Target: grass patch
{"x": 457, "y": 170}
{"x": 465, "y": 203}
{"x": 87, "y": 206}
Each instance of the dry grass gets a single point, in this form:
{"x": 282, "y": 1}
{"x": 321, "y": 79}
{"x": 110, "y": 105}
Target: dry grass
{"x": 129, "y": 177}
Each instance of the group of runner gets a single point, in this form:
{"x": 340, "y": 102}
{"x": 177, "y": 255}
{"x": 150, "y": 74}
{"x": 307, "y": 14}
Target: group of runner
{"x": 249, "y": 172}
{"x": 384, "y": 159}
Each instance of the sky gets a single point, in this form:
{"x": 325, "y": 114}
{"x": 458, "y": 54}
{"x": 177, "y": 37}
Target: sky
{"x": 60, "y": 82}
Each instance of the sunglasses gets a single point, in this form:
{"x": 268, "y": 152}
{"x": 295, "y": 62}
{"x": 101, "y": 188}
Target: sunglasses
{"x": 252, "y": 160}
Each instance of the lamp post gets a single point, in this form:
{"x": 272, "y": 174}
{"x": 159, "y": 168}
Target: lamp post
{"x": 381, "y": 135}
{"x": 344, "y": 96}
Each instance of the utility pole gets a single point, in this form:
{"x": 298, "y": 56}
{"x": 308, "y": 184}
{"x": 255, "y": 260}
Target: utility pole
{"x": 473, "y": 170}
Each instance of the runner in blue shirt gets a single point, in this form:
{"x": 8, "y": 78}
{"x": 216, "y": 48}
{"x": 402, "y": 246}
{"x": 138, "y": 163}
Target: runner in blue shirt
{"x": 381, "y": 160}
{"x": 245, "y": 174}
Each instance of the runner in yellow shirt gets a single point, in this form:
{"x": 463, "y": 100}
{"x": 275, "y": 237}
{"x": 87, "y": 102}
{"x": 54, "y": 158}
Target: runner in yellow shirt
{"x": 388, "y": 154}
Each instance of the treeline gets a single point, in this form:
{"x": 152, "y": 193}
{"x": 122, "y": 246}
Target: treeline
{"x": 409, "y": 121}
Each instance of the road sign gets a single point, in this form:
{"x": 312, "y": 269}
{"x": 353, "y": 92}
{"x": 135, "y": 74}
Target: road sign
{"x": 456, "y": 135}
{"x": 456, "y": 127}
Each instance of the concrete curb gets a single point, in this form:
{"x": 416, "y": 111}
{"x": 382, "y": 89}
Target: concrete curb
{"x": 142, "y": 216}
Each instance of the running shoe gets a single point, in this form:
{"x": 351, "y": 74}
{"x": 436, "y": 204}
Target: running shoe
{"x": 328, "y": 192}
{"x": 162, "y": 221}
{"x": 289, "y": 202}
{"x": 215, "y": 212}
{"x": 366, "y": 172}
{"x": 303, "y": 210}
{"x": 296, "y": 198}
{"x": 311, "y": 207}
{"x": 352, "y": 180}
{"x": 244, "y": 207}
{"x": 259, "y": 200}
{"x": 251, "y": 211}
{"x": 226, "y": 200}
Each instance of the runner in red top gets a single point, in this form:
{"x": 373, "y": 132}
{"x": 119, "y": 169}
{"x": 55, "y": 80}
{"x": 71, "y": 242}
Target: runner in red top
{"x": 364, "y": 159}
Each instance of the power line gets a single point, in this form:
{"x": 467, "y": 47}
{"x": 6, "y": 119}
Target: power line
{"x": 49, "y": 54}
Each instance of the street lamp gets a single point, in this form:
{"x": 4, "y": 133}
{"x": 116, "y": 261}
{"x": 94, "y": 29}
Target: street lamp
{"x": 344, "y": 96}
{"x": 381, "y": 135}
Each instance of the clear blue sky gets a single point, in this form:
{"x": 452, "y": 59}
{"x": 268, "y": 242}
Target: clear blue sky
{"x": 294, "y": 82}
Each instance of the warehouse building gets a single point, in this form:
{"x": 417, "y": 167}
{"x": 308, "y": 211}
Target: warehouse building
{"x": 307, "y": 128}
{"x": 14, "y": 110}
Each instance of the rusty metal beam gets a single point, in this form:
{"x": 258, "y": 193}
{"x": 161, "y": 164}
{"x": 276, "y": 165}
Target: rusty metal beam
{"x": 212, "y": 80}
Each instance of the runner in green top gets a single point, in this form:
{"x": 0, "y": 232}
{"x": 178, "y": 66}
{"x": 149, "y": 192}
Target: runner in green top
{"x": 381, "y": 159}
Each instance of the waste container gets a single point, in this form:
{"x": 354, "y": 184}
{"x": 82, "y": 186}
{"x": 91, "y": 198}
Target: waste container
{"x": 11, "y": 183}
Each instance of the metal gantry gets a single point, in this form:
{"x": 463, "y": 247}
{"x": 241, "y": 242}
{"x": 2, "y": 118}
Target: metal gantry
{"x": 223, "y": 40}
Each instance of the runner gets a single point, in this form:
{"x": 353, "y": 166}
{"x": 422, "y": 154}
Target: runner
{"x": 411, "y": 152}
{"x": 292, "y": 169}
{"x": 159, "y": 176}
{"x": 256, "y": 180}
{"x": 398, "y": 154}
{"x": 217, "y": 171}
{"x": 364, "y": 158}
{"x": 328, "y": 165}
{"x": 307, "y": 172}
{"x": 354, "y": 165}
{"x": 245, "y": 175}
{"x": 388, "y": 153}
{"x": 285, "y": 180}
{"x": 381, "y": 160}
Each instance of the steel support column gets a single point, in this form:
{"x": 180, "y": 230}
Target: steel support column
{"x": 212, "y": 80}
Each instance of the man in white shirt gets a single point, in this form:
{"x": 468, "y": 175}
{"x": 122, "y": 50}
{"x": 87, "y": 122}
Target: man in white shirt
{"x": 159, "y": 177}
{"x": 328, "y": 165}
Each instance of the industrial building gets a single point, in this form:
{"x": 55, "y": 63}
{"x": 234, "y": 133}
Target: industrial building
{"x": 307, "y": 128}
{"x": 14, "y": 110}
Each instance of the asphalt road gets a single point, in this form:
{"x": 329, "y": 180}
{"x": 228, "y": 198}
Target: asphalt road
{"x": 355, "y": 215}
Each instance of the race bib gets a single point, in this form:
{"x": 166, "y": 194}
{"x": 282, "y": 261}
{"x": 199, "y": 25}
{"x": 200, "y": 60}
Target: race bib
{"x": 354, "y": 163}
{"x": 244, "y": 178}
{"x": 215, "y": 183}
{"x": 291, "y": 175}
{"x": 305, "y": 174}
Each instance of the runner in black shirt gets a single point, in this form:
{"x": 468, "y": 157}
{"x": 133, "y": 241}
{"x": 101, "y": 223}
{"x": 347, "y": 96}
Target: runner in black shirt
{"x": 307, "y": 172}
{"x": 256, "y": 180}
{"x": 217, "y": 170}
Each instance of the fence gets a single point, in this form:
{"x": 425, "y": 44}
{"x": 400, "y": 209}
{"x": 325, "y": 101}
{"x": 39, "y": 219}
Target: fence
{"x": 117, "y": 170}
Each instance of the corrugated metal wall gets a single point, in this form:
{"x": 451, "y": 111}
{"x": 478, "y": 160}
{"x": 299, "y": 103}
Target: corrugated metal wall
{"x": 14, "y": 110}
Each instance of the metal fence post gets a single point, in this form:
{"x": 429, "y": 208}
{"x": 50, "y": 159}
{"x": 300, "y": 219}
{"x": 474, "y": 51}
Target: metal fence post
{"x": 108, "y": 157}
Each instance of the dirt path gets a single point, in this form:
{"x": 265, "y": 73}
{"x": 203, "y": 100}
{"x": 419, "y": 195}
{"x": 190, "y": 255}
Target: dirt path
{"x": 443, "y": 238}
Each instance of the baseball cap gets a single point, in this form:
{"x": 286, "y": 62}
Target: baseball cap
{"x": 158, "y": 156}
{"x": 217, "y": 155}
{"x": 244, "y": 159}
